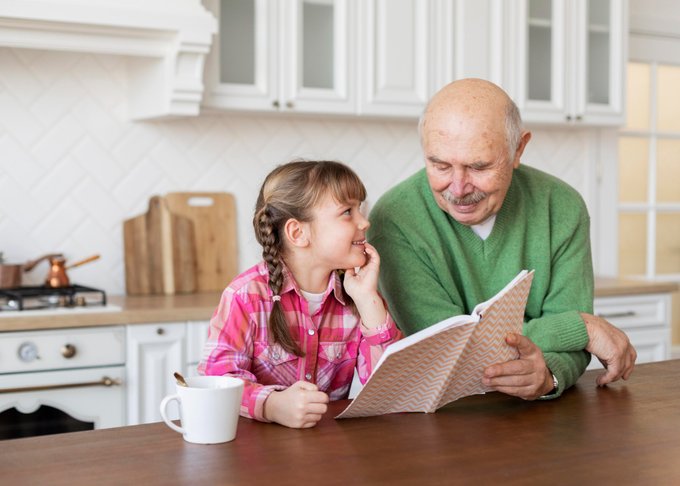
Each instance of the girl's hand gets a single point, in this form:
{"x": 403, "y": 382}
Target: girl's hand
{"x": 366, "y": 279}
{"x": 299, "y": 406}
{"x": 362, "y": 287}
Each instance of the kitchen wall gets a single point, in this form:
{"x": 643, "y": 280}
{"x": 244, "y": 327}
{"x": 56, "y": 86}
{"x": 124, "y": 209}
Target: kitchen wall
{"x": 73, "y": 167}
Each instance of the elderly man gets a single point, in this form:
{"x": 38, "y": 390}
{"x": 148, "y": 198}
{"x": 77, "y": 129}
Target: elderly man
{"x": 454, "y": 233}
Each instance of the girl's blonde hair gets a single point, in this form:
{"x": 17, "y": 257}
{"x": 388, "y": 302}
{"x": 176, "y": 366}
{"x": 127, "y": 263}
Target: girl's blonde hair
{"x": 291, "y": 191}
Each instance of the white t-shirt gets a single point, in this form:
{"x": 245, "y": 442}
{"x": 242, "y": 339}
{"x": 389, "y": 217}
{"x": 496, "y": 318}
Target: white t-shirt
{"x": 313, "y": 300}
{"x": 483, "y": 230}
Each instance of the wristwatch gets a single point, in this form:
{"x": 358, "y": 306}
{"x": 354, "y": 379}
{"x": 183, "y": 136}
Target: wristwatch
{"x": 556, "y": 385}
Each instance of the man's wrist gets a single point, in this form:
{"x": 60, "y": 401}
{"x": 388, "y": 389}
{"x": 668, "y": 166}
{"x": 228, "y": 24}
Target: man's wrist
{"x": 553, "y": 383}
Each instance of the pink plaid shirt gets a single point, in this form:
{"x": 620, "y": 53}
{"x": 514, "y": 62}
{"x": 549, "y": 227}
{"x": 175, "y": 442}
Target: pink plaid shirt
{"x": 333, "y": 339}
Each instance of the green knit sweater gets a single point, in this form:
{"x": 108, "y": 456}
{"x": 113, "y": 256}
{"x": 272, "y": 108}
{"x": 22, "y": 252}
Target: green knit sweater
{"x": 434, "y": 267}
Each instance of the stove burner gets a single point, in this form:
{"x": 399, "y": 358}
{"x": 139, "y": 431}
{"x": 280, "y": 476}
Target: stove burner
{"x": 29, "y": 298}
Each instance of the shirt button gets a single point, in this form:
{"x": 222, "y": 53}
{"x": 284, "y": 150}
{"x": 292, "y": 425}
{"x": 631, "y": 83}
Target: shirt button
{"x": 310, "y": 332}
{"x": 308, "y": 376}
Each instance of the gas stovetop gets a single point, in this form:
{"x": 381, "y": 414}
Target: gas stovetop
{"x": 23, "y": 299}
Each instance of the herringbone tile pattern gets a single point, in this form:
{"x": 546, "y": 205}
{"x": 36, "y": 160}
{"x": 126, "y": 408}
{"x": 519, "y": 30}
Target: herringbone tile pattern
{"x": 73, "y": 167}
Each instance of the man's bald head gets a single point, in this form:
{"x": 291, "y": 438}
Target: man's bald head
{"x": 474, "y": 101}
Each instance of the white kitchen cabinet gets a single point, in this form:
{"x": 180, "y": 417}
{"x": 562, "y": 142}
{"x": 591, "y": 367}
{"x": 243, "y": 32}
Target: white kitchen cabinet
{"x": 154, "y": 353}
{"x": 645, "y": 318}
{"x": 283, "y": 56}
{"x": 398, "y": 65}
{"x": 564, "y": 60}
{"x": 197, "y": 335}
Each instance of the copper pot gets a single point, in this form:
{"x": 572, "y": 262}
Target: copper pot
{"x": 56, "y": 277}
{"x": 12, "y": 274}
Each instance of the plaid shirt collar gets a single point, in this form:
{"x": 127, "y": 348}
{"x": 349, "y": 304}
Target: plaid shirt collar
{"x": 334, "y": 285}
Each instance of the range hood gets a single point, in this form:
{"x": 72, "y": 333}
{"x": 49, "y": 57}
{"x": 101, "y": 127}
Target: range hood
{"x": 165, "y": 42}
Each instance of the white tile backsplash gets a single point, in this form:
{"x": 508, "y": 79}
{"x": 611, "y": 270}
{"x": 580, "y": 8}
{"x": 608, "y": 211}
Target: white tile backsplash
{"x": 73, "y": 167}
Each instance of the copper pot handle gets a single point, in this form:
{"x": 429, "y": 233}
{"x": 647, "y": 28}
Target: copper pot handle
{"x": 28, "y": 266}
{"x": 84, "y": 261}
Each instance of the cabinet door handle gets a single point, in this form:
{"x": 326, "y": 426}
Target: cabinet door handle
{"x": 568, "y": 117}
{"x": 105, "y": 381}
{"x": 579, "y": 117}
{"x": 275, "y": 104}
{"x": 617, "y": 314}
{"x": 290, "y": 105}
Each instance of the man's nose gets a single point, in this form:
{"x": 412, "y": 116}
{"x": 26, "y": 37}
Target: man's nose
{"x": 460, "y": 184}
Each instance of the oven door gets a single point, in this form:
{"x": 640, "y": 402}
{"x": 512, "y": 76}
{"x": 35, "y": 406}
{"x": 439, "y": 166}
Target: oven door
{"x": 50, "y": 402}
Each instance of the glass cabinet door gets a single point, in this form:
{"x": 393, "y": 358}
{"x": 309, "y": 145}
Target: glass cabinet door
{"x": 545, "y": 87}
{"x": 317, "y": 57}
{"x": 566, "y": 64}
{"x": 600, "y": 58}
{"x": 243, "y": 64}
{"x": 283, "y": 55}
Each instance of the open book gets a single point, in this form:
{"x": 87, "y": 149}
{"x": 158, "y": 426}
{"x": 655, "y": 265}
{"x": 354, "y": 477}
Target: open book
{"x": 446, "y": 361}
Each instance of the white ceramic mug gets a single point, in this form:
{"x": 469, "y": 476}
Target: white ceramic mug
{"x": 209, "y": 408}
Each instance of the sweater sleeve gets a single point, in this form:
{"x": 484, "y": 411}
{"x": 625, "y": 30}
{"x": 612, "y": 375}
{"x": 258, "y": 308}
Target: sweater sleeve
{"x": 408, "y": 278}
{"x": 560, "y": 331}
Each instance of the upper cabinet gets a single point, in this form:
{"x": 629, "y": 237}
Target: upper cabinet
{"x": 287, "y": 55}
{"x": 396, "y": 56}
{"x": 562, "y": 61}
{"x": 369, "y": 57}
{"x": 565, "y": 60}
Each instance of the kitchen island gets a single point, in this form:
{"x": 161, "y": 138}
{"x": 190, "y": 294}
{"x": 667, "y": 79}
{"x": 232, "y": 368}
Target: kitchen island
{"x": 625, "y": 433}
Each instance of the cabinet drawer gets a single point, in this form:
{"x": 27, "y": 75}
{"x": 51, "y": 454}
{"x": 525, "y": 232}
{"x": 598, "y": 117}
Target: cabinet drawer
{"x": 633, "y": 312}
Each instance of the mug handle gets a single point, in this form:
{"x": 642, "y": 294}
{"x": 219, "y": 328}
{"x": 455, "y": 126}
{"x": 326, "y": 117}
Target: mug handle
{"x": 164, "y": 413}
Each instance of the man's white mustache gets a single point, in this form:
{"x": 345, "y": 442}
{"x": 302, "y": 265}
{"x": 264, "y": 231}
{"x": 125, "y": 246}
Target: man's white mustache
{"x": 473, "y": 198}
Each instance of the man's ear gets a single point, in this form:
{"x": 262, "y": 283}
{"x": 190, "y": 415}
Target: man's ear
{"x": 523, "y": 141}
{"x": 296, "y": 232}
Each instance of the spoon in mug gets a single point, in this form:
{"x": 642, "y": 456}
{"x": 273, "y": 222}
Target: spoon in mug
{"x": 180, "y": 379}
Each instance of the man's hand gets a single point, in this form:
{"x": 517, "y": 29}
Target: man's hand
{"x": 299, "y": 406}
{"x": 612, "y": 347}
{"x": 527, "y": 377}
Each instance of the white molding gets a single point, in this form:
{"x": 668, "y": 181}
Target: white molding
{"x": 167, "y": 42}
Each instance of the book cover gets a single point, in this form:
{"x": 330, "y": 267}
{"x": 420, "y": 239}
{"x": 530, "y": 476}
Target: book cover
{"x": 446, "y": 361}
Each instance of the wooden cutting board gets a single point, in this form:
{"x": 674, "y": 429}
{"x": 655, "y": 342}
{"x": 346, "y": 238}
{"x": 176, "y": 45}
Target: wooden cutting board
{"x": 213, "y": 215}
{"x": 160, "y": 252}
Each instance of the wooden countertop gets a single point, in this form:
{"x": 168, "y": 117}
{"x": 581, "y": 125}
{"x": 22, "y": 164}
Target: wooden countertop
{"x": 200, "y": 307}
{"x": 610, "y": 287}
{"x": 134, "y": 310}
{"x": 624, "y": 433}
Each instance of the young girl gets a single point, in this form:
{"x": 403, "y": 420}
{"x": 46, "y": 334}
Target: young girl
{"x": 286, "y": 326}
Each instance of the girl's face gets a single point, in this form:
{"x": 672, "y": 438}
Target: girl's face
{"x": 338, "y": 234}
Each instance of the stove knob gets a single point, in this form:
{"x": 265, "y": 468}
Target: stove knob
{"x": 28, "y": 352}
{"x": 68, "y": 351}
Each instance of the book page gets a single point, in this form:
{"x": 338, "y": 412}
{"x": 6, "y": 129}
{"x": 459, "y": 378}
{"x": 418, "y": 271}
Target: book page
{"x": 479, "y": 308}
{"x": 486, "y": 345}
{"x": 424, "y": 334}
{"x": 446, "y": 361}
{"x": 411, "y": 380}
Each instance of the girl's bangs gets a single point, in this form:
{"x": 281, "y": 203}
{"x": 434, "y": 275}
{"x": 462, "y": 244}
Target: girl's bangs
{"x": 344, "y": 185}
